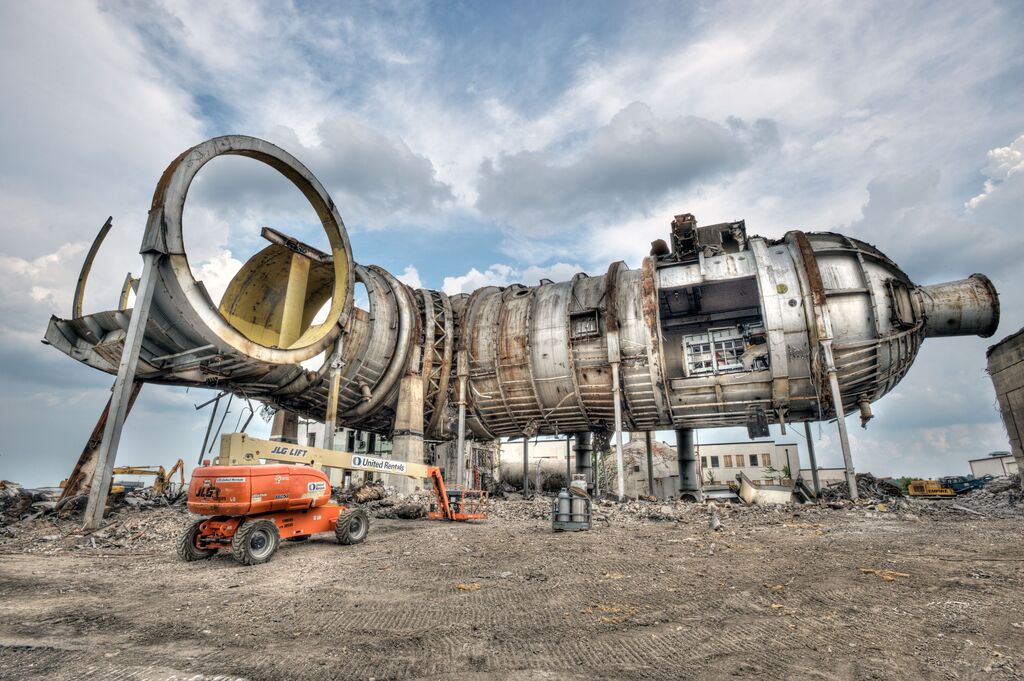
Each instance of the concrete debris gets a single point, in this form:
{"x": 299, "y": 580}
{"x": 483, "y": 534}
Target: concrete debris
{"x": 1000, "y": 497}
{"x": 868, "y": 487}
{"x": 371, "y": 491}
{"x": 21, "y": 506}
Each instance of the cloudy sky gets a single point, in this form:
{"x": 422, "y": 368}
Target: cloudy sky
{"x": 477, "y": 143}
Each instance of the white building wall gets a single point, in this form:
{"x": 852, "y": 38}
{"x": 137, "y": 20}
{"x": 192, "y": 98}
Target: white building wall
{"x": 997, "y": 466}
{"x": 724, "y": 461}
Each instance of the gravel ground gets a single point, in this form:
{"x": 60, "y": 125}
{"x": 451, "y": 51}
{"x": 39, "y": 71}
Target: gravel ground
{"x": 898, "y": 591}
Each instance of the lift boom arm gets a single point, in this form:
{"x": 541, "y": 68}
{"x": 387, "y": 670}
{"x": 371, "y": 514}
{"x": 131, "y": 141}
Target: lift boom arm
{"x": 238, "y": 449}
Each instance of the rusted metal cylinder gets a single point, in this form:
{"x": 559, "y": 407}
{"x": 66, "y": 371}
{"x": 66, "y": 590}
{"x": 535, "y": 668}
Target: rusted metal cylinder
{"x": 966, "y": 307}
{"x": 721, "y": 329}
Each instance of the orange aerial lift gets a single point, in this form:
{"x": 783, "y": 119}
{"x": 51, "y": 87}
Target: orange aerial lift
{"x": 256, "y": 494}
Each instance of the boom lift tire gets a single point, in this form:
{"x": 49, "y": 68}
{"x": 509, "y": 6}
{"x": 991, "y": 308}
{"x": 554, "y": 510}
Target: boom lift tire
{"x": 255, "y": 542}
{"x": 187, "y": 549}
{"x": 352, "y": 526}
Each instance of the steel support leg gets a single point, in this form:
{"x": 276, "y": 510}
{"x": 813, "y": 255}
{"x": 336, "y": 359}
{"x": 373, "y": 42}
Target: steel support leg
{"x": 584, "y": 458}
{"x": 568, "y": 460}
{"x": 650, "y": 463}
{"x": 121, "y": 393}
{"x": 331, "y": 417}
{"x": 814, "y": 461}
{"x": 460, "y": 447}
{"x": 689, "y": 483}
{"x": 526, "y": 467}
{"x": 837, "y": 402}
{"x": 617, "y": 397}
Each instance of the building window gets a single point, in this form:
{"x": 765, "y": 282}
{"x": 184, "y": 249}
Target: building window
{"x": 311, "y": 439}
{"x": 753, "y": 460}
{"x": 714, "y": 462}
{"x": 705, "y": 460}
{"x": 767, "y": 460}
{"x": 728, "y": 460}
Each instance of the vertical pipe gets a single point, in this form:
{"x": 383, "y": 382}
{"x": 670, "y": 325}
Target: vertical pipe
{"x": 837, "y": 402}
{"x": 568, "y": 459}
{"x": 331, "y": 420}
{"x": 650, "y": 463}
{"x": 616, "y": 393}
{"x": 209, "y": 428}
{"x": 460, "y": 448}
{"x": 121, "y": 394}
{"x": 689, "y": 483}
{"x": 814, "y": 461}
{"x": 584, "y": 458}
{"x": 526, "y": 467}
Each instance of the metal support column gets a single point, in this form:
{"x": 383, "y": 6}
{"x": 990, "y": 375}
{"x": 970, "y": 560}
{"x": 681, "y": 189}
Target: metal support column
{"x": 460, "y": 448}
{"x": 814, "y": 461}
{"x": 568, "y": 459}
{"x": 689, "y": 483}
{"x": 616, "y": 392}
{"x": 526, "y": 467}
{"x": 837, "y": 402}
{"x": 650, "y": 463}
{"x": 121, "y": 393}
{"x": 584, "y": 458}
{"x": 331, "y": 417}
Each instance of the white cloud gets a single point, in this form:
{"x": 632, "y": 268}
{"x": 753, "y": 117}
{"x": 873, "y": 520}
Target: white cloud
{"x": 1005, "y": 167}
{"x": 495, "y": 275}
{"x": 503, "y": 275}
{"x": 410, "y": 276}
{"x": 216, "y": 273}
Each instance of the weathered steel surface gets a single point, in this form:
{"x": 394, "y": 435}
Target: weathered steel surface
{"x": 1006, "y": 367}
{"x": 537, "y": 359}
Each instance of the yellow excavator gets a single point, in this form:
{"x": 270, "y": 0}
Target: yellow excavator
{"x": 161, "y": 483}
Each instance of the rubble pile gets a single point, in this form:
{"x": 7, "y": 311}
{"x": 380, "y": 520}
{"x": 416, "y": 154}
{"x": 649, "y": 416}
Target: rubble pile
{"x": 364, "y": 494}
{"x": 17, "y": 502}
{"x": 514, "y": 508}
{"x": 868, "y": 488}
{"x": 127, "y": 529}
{"x": 383, "y": 501}
{"x": 999, "y": 497}
{"x": 36, "y": 520}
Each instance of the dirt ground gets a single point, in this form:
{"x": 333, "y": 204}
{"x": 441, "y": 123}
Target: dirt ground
{"x": 769, "y": 595}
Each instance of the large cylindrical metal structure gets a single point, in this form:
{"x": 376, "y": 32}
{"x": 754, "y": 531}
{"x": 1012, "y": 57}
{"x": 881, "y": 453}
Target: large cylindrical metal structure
{"x": 719, "y": 330}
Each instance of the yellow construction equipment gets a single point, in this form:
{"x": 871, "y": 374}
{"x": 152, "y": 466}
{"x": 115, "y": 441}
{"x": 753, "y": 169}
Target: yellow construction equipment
{"x": 161, "y": 483}
{"x": 929, "y": 488}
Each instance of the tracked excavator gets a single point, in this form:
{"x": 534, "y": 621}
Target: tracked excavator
{"x": 258, "y": 492}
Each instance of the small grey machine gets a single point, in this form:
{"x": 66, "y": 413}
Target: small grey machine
{"x": 571, "y": 510}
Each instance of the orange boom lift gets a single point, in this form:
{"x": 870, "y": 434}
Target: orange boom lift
{"x": 254, "y": 505}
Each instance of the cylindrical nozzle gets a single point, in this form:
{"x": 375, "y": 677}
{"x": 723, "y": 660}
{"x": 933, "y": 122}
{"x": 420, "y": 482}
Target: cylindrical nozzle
{"x": 961, "y": 308}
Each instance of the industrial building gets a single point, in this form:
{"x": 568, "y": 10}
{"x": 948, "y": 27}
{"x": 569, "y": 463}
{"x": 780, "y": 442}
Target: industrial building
{"x": 996, "y": 464}
{"x": 761, "y": 461}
